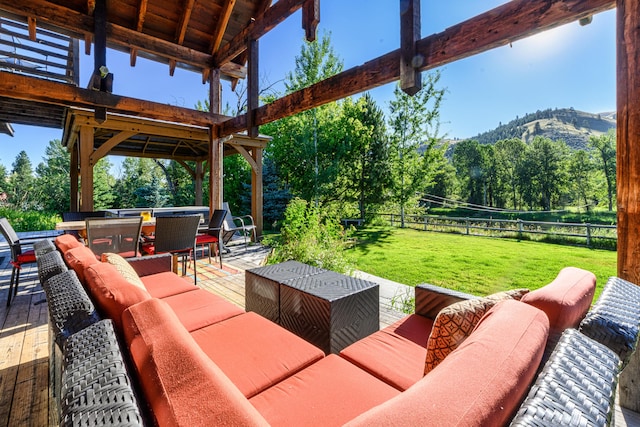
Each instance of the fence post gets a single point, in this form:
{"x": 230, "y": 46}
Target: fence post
{"x": 588, "y": 235}
{"x": 519, "y": 221}
{"x": 392, "y": 220}
{"x": 466, "y": 220}
{"x": 426, "y": 222}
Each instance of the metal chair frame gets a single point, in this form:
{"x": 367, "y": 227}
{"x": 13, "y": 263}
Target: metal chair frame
{"x": 117, "y": 235}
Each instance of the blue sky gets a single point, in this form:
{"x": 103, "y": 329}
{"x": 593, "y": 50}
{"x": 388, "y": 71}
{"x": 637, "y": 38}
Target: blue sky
{"x": 571, "y": 66}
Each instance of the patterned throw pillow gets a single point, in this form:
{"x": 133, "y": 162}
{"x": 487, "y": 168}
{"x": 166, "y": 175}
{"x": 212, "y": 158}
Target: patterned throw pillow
{"x": 454, "y": 324}
{"x": 124, "y": 268}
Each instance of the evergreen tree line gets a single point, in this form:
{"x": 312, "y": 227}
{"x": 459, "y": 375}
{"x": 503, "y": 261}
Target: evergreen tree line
{"x": 346, "y": 157}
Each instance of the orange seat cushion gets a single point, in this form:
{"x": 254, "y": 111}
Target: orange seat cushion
{"x": 482, "y": 382}
{"x": 328, "y": 393}
{"x": 254, "y": 352}
{"x": 394, "y": 354}
{"x": 182, "y": 386}
{"x": 167, "y": 283}
{"x": 566, "y": 299}
{"x": 111, "y": 292}
{"x": 64, "y": 242}
{"x": 199, "y": 308}
{"x": 78, "y": 259}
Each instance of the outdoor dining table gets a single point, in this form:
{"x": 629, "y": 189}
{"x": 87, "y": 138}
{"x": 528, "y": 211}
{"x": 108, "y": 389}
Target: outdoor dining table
{"x": 148, "y": 226}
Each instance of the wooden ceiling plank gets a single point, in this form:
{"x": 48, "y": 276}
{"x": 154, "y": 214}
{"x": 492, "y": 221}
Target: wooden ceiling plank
{"x": 512, "y": 21}
{"x": 22, "y": 87}
{"x": 181, "y": 30}
{"x": 262, "y": 25}
{"x": 221, "y": 26}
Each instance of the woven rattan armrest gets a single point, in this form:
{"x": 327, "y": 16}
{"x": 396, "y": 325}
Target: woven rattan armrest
{"x": 49, "y": 265}
{"x": 614, "y": 320}
{"x": 42, "y": 247}
{"x": 96, "y": 388}
{"x": 152, "y": 264}
{"x": 576, "y": 387}
{"x": 430, "y": 299}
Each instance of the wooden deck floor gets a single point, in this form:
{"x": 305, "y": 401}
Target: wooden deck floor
{"x": 24, "y": 361}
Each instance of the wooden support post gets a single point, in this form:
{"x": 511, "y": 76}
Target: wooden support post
{"x": 74, "y": 202}
{"x": 198, "y": 182}
{"x": 100, "y": 54}
{"x": 215, "y": 144}
{"x": 256, "y": 191}
{"x": 410, "y": 60}
{"x": 311, "y": 18}
{"x": 253, "y": 88}
{"x": 628, "y": 171}
{"x": 86, "y": 168}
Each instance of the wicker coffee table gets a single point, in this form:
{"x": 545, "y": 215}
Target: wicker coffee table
{"x": 328, "y": 309}
{"x": 262, "y": 286}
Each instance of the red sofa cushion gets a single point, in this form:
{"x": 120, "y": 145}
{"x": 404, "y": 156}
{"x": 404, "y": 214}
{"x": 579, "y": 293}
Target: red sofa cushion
{"x": 327, "y": 393}
{"x": 200, "y": 308}
{"x": 566, "y": 300}
{"x": 394, "y": 354}
{"x": 482, "y": 382}
{"x": 64, "y": 242}
{"x": 167, "y": 283}
{"x": 78, "y": 259}
{"x": 181, "y": 384}
{"x": 111, "y": 292}
{"x": 254, "y": 352}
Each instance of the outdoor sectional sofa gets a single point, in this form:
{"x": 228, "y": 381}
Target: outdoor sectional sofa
{"x": 169, "y": 353}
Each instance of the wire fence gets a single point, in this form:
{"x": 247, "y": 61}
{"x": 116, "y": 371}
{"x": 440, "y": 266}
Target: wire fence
{"x": 581, "y": 234}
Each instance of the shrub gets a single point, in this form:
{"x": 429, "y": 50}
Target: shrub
{"x": 30, "y": 220}
{"x": 312, "y": 236}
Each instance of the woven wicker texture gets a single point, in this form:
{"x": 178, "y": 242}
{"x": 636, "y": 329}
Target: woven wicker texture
{"x": 43, "y": 246}
{"x": 262, "y": 286}
{"x": 330, "y": 310}
{"x": 615, "y": 318}
{"x": 96, "y": 389}
{"x": 576, "y": 387}
{"x": 49, "y": 265}
{"x": 70, "y": 309}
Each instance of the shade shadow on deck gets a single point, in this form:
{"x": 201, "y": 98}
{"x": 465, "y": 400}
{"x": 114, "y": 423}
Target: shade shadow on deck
{"x": 24, "y": 347}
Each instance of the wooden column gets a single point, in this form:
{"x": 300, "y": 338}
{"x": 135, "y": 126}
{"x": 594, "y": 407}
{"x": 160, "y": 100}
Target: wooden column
{"x": 215, "y": 144}
{"x": 256, "y": 191}
{"x": 86, "y": 168}
{"x": 74, "y": 202}
{"x": 253, "y": 88}
{"x": 410, "y": 60}
{"x": 628, "y": 171}
{"x": 198, "y": 182}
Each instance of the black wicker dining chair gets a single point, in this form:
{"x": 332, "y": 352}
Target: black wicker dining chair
{"x": 176, "y": 235}
{"x": 18, "y": 256}
{"x": 117, "y": 235}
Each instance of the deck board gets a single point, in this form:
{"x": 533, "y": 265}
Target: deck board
{"x": 24, "y": 346}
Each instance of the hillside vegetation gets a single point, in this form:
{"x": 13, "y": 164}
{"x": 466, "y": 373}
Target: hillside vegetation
{"x": 572, "y": 126}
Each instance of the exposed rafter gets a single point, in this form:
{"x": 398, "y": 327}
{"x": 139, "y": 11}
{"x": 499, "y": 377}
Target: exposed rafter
{"x": 221, "y": 25}
{"x": 142, "y": 12}
{"x": 512, "y": 21}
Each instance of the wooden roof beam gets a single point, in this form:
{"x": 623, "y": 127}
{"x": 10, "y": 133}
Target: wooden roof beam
{"x": 509, "y": 22}
{"x": 311, "y": 18}
{"x": 264, "y": 23}
{"x": 142, "y": 13}
{"x": 17, "y": 86}
{"x": 410, "y": 59}
{"x": 221, "y": 26}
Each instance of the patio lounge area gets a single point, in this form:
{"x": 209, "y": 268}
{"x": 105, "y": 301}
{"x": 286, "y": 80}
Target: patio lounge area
{"x": 24, "y": 345}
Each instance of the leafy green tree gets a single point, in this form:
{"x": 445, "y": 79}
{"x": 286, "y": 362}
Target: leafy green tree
{"x": 509, "y": 155}
{"x": 581, "y": 170}
{"x": 237, "y": 183}
{"x": 53, "y": 182}
{"x": 468, "y": 161}
{"x": 605, "y": 146}
{"x": 103, "y": 183}
{"x": 414, "y": 124}
{"x": 364, "y": 176}
{"x": 276, "y": 194}
{"x": 21, "y": 188}
{"x": 546, "y": 167}
{"x": 140, "y": 183}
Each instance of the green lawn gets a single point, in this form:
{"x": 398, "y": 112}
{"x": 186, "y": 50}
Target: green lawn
{"x": 476, "y": 265}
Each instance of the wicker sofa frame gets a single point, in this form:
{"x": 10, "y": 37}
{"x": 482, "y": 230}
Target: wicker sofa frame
{"x": 92, "y": 385}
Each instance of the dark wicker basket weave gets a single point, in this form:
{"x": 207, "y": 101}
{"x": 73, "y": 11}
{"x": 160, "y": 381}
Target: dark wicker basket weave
{"x": 615, "y": 319}
{"x": 70, "y": 309}
{"x": 96, "y": 390}
{"x": 42, "y": 247}
{"x": 576, "y": 387}
{"x": 49, "y": 265}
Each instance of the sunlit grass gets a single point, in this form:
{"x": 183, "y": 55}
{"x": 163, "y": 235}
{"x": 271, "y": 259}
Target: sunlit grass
{"x": 476, "y": 265}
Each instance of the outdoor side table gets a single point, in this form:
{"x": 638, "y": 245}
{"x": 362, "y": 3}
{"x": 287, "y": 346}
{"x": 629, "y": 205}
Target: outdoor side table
{"x": 262, "y": 286}
{"x": 330, "y": 310}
